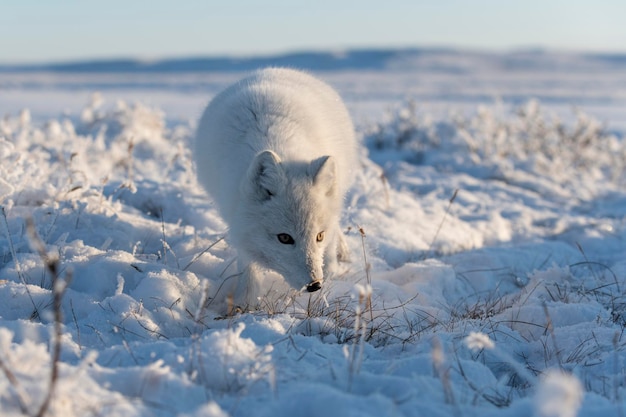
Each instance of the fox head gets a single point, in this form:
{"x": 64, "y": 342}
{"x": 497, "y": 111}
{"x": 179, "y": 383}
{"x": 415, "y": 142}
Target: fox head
{"x": 286, "y": 216}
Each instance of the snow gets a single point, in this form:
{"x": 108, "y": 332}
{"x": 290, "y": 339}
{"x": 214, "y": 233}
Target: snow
{"x": 486, "y": 228}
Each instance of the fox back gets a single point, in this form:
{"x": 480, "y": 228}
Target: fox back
{"x": 277, "y": 153}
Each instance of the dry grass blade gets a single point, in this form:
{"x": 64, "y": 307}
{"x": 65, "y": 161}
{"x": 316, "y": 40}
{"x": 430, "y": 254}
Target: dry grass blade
{"x": 198, "y": 255}
{"x": 18, "y": 266}
{"x": 445, "y": 215}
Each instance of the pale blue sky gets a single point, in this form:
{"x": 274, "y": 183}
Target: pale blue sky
{"x": 46, "y": 30}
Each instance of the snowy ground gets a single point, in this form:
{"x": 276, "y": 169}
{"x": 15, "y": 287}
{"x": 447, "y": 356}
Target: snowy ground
{"x": 489, "y": 281}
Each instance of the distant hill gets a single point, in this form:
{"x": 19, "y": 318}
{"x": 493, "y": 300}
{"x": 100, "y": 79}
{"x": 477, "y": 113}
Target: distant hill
{"x": 445, "y": 60}
{"x": 358, "y": 59}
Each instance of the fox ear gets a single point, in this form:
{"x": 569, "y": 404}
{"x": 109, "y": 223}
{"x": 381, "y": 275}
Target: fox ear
{"x": 265, "y": 175}
{"x": 323, "y": 172}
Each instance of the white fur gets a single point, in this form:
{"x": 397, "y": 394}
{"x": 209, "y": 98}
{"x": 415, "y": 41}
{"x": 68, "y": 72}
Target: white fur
{"x": 276, "y": 151}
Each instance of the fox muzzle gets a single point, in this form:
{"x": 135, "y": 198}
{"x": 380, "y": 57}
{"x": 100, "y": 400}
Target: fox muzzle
{"x": 314, "y": 286}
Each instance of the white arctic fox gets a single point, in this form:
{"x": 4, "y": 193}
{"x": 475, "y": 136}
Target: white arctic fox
{"x": 276, "y": 151}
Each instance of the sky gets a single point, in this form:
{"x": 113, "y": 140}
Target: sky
{"x": 43, "y": 30}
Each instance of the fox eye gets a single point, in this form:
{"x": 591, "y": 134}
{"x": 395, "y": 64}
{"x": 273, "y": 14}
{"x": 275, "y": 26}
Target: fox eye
{"x": 285, "y": 239}
{"x": 320, "y": 236}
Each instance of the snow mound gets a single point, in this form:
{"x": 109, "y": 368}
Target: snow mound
{"x": 487, "y": 275}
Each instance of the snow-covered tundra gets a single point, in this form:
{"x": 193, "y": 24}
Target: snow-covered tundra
{"x": 277, "y": 151}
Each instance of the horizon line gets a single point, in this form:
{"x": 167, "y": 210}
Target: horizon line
{"x": 151, "y": 60}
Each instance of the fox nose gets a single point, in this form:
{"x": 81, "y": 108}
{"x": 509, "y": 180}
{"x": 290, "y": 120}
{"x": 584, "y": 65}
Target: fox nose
{"x": 314, "y": 286}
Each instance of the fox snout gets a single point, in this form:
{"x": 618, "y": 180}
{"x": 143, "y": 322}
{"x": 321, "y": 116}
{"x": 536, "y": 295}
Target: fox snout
{"x": 314, "y": 286}
{"x": 316, "y": 275}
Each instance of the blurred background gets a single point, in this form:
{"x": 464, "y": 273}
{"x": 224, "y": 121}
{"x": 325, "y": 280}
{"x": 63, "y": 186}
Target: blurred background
{"x": 41, "y": 31}
{"x": 447, "y": 56}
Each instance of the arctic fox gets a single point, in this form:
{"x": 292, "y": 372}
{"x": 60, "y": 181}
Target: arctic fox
{"x": 277, "y": 153}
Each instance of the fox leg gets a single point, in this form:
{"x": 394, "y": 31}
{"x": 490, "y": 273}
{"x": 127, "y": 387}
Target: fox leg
{"x": 246, "y": 294}
{"x": 343, "y": 253}
{"x": 337, "y": 251}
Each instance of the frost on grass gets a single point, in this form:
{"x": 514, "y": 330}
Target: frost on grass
{"x": 478, "y": 341}
{"x": 558, "y": 395}
{"x": 512, "y": 147}
{"x": 493, "y": 255}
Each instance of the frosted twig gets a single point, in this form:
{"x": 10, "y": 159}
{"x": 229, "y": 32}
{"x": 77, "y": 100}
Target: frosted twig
{"x": 22, "y": 397}
{"x": 58, "y": 289}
